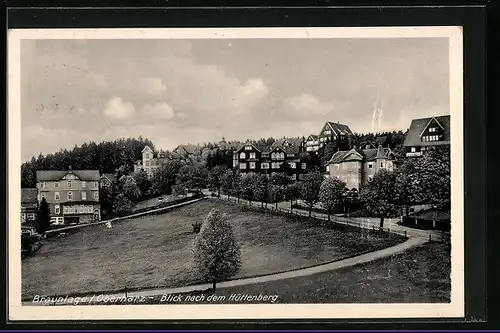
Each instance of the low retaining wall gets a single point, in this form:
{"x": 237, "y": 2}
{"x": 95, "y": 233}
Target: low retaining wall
{"x": 116, "y": 219}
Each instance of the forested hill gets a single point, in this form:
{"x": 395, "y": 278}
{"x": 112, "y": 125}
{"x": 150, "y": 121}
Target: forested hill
{"x": 106, "y": 157}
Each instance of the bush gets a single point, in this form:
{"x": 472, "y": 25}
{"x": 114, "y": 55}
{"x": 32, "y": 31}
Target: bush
{"x": 197, "y": 226}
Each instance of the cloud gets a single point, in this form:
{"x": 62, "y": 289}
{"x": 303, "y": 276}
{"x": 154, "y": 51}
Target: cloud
{"x": 117, "y": 108}
{"x": 305, "y": 105}
{"x": 160, "y": 111}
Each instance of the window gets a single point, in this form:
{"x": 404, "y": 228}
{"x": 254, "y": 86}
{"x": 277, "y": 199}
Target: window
{"x": 235, "y": 163}
{"x": 242, "y": 155}
{"x": 69, "y": 183}
{"x": 31, "y": 216}
{"x": 70, "y": 195}
{"x": 275, "y": 165}
{"x": 252, "y": 165}
{"x": 235, "y": 156}
{"x": 265, "y": 154}
{"x": 96, "y": 195}
{"x": 84, "y": 184}
{"x": 96, "y": 184}
{"x": 57, "y": 209}
{"x": 413, "y": 149}
{"x": 370, "y": 165}
{"x": 290, "y": 155}
{"x": 433, "y": 129}
{"x": 264, "y": 165}
{"x": 147, "y": 163}
{"x": 294, "y": 177}
{"x": 81, "y": 209}
{"x": 56, "y": 184}
{"x": 327, "y": 132}
{"x": 84, "y": 195}
{"x": 293, "y": 165}
{"x": 248, "y": 147}
{"x": 42, "y": 196}
{"x": 304, "y": 165}
{"x": 42, "y": 185}
{"x": 57, "y": 196}
{"x": 243, "y": 166}
{"x": 252, "y": 155}
{"x": 327, "y": 168}
{"x": 381, "y": 164}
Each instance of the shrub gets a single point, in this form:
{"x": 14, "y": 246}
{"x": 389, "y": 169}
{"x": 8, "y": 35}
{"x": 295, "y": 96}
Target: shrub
{"x": 197, "y": 226}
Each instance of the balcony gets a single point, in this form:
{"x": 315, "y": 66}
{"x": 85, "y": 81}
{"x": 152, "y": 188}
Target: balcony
{"x": 413, "y": 154}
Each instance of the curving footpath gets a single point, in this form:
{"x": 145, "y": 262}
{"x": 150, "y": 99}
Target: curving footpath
{"x": 361, "y": 259}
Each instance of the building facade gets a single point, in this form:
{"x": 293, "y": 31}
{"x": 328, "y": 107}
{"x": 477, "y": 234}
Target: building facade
{"x": 331, "y": 131}
{"x": 426, "y": 133}
{"x": 150, "y": 161}
{"x": 356, "y": 167}
{"x": 72, "y": 196}
{"x": 29, "y": 205}
{"x": 283, "y": 156}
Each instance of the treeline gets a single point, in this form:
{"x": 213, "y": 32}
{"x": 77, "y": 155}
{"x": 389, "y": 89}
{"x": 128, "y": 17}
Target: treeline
{"x": 107, "y": 157}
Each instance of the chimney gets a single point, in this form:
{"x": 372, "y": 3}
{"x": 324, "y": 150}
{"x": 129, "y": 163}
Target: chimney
{"x": 338, "y": 121}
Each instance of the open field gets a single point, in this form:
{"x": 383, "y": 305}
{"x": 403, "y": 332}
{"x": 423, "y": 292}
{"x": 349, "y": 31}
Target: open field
{"x": 155, "y": 251}
{"x": 420, "y": 275}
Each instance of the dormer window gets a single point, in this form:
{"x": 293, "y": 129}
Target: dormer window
{"x": 248, "y": 147}
{"x": 433, "y": 129}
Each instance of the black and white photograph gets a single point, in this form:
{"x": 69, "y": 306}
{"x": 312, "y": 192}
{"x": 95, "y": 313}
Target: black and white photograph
{"x": 269, "y": 173}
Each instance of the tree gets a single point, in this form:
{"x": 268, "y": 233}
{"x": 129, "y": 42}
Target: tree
{"x": 215, "y": 177}
{"x": 379, "y": 194}
{"x": 279, "y": 178}
{"x": 259, "y": 188}
{"x": 433, "y": 172}
{"x": 407, "y": 188}
{"x": 331, "y": 193}
{"x": 122, "y": 205}
{"x": 309, "y": 189}
{"x": 275, "y": 194}
{"x": 227, "y": 182}
{"x": 142, "y": 180}
{"x": 291, "y": 193}
{"x": 217, "y": 255}
{"x": 130, "y": 188}
{"x": 107, "y": 196}
{"x": 43, "y": 218}
{"x": 236, "y": 186}
{"x": 247, "y": 186}
{"x": 192, "y": 176}
{"x": 164, "y": 177}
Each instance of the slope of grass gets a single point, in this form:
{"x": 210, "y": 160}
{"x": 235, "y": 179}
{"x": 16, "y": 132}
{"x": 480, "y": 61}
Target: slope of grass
{"x": 156, "y": 251}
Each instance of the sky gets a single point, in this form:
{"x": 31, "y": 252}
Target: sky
{"x": 199, "y": 90}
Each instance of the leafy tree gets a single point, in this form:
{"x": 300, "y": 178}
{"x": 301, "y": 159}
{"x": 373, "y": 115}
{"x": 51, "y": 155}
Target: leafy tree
{"x": 379, "y": 194}
{"x": 407, "y": 187}
{"x": 215, "y": 177}
{"x": 122, "y": 205}
{"x": 331, "y": 193}
{"x": 291, "y": 193}
{"x": 130, "y": 188}
{"x": 164, "y": 177}
{"x": 107, "y": 196}
{"x": 217, "y": 255}
{"x": 310, "y": 188}
{"x": 279, "y": 179}
{"x": 247, "y": 186}
{"x": 433, "y": 171}
{"x": 43, "y": 218}
{"x": 142, "y": 181}
{"x": 259, "y": 188}
{"x": 351, "y": 199}
{"x": 237, "y": 186}
{"x": 275, "y": 194}
{"x": 227, "y": 182}
{"x": 192, "y": 176}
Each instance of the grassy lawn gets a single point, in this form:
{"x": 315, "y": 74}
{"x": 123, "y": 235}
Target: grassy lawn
{"x": 155, "y": 251}
{"x": 420, "y": 275}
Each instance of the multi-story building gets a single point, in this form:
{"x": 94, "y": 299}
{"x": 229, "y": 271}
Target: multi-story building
{"x": 426, "y": 133}
{"x": 29, "y": 205}
{"x": 283, "y": 156}
{"x": 356, "y": 166}
{"x": 150, "y": 161}
{"x": 330, "y": 132}
{"x": 72, "y": 195}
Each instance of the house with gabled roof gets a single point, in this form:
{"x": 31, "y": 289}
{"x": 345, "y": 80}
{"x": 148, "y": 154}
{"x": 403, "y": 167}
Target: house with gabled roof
{"x": 29, "y": 204}
{"x": 356, "y": 167}
{"x": 331, "y": 131}
{"x": 150, "y": 161}
{"x": 426, "y": 133}
{"x": 72, "y": 195}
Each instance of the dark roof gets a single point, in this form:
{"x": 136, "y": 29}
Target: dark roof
{"x": 190, "y": 149}
{"x": 313, "y": 136}
{"x": 110, "y": 176}
{"x": 29, "y": 195}
{"x": 260, "y": 147}
{"x": 340, "y": 128}
{"x": 418, "y": 126}
{"x": 54, "y": 175}
{"x": 433, "y": 214}
{"x": 366, "y": 154}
